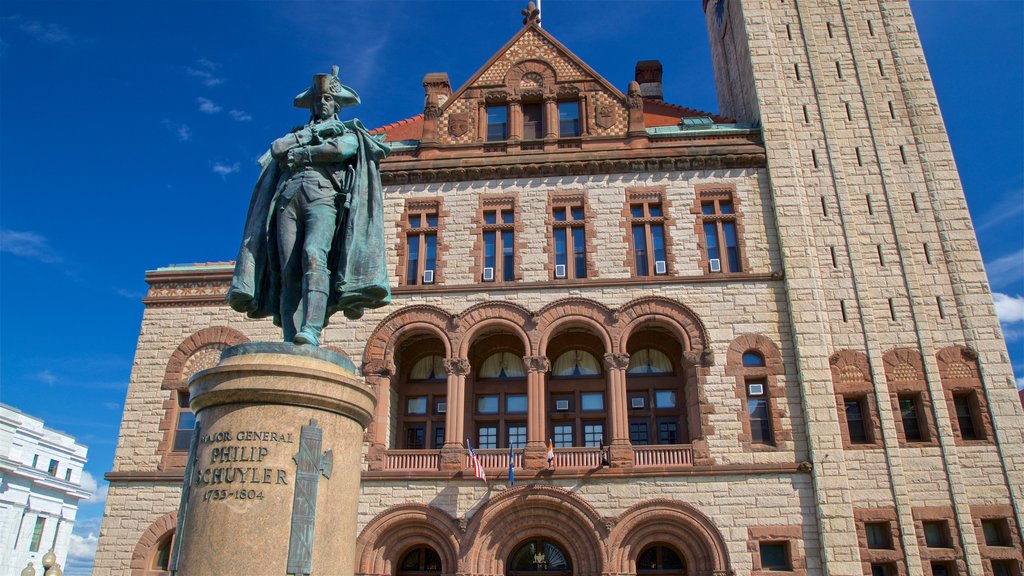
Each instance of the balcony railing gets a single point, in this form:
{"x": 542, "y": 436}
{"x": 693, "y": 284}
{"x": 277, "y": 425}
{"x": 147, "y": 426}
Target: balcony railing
{"x": 416, "y": 460}
{"x": 586, "y": 457}
{"x": 496, "y": 459}
{"x": 663, "y": 455}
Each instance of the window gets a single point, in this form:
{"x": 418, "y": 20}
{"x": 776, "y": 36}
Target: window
{"x": 757, "y": 411}
{"x": 502, "y": 365}
{"x": 421, "y": 244}
{"x": 910, "y": 415}
{"x": 563, "y": 435}
{"x": 774, "y": 556}
{"x": 515, "y": 404}
{"x": 416, "y": 405}
{"x": 656, "y": 401}
{"x": 568, "y": 119}
{"x": 499, "y": 244}
{"x": 422, "y": 404}
{"x": 67, "y": 475}
{"x": 487, "y": 437}
{"x": 162, "y": 558}
{"x": 942, "y": 569}
{"x": 718, "y": 218}
{"x": 501, "y": 402}
{"x": 647, "y": 223}
{"x": 883, "y": 570}
{"x": 638, "y": 433}
{"x": 575, "y": 363}
{"x": 517, "y": 435}
{"x": 186, "y": 424}
{"x": 658, "y": 559}
{"x": 753, "y": 359}
{"x": 878, "y": 535}
{"x": 533, "y": 121}
{"x": 997, "y": 532}
{"x": 497, "y": 123}
{"x": 592, "y": 401}
{"x": 936, "y": 534}
{"x": 37, "y": 534}
{"x": 593, "y": 434}
{"x": 438, "y": 436}
{"x": 965, "y": 405}
{"x": 1004, "y": 568}
{"x": 569, "y": 235}
{"x": 649, "y": 361}
{"x": 855, "y": 415}
{"x": 537, "y": 555}
{"x": 52, "y": 468}
{"x": 420, "y": 559}
{"x": 35, "y": 460}
{"x": 415, "y": 436}
{"x": 668, "y": 431}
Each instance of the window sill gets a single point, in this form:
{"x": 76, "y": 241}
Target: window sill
{"x": 738, "y": 277}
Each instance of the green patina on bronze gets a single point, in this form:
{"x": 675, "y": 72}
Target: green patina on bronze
{"x": 313, "y": 243}
{"x": 310, "y": 463}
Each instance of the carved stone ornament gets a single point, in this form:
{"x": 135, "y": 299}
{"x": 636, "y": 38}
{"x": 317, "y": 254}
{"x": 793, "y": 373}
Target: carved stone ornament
{"x": 537, "y": 363}
{"x": 431, "y": 111}
{"x": 378, "y": 368}
{"x": 702, "y": 357}
{"x": 496, "y": 97}
{"x": 969, "y": 354}
{"x": 458, "y": 123}
{"x": 604, "y": 116}
{"x": 616, "y": 361}
{"x": 456, "y": 366}
{"x": 634, "y": 100}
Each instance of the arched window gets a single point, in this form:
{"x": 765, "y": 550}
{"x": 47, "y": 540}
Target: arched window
{"x": 660, "y": 559}
{"x": 162, "y": 557}
{"x": 420, "y": 560}
{"x": 428, "y": 368}
{"x": 576, "y": 363}
{"x": 502, "y": 365}
{"x": 649, "y": 361}
{"x": 539, "y": 555}
{"x": 753, "y": 359}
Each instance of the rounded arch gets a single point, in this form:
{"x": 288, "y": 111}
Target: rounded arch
{"x": 531, "y": 511}
{"x": 593, "y": 316}
{"x": 956, "y": 364}
{"x": 903, "y": 365}
{"x": 512, "y": 317}
{"x": 678, "y": 524}
{"x": 850, "y": 367}
{"x": 398, "y": 529}
{"x": 515, "y": 75}
{"x": 757, "y": 342}
{"x": 385, "y": 338}
{"x": 175, "y": 374}
{"x": 149, "y": 544}
{"x": 654, "y": 309}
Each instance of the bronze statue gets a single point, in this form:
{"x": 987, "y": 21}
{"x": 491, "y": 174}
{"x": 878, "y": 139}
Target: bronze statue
{"x": 313, "y": 242}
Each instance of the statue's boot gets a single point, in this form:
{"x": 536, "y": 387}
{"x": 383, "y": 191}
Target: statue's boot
{"x": 315, "y": 303}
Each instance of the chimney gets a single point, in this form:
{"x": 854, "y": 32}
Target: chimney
{"x": 648, "y": 75}
{"x": 436, "y": 90}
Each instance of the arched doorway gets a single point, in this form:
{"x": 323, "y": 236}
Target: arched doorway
{"x": 660, "y": 560}
{"x": 538, "y": 555}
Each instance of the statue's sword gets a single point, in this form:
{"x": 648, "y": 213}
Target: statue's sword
{"x": 310, "y": 463}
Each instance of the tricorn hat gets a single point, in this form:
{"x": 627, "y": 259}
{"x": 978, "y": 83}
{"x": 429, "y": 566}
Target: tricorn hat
{"x": 328, "y": 84}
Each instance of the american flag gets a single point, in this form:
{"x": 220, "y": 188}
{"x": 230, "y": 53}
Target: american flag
{"x": 478, "y": 469}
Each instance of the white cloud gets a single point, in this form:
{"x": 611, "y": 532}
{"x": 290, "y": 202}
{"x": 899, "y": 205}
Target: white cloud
{"x": 204, "y": 70}
{"x": 27, "y": 245}
{"x": 208, "y": 106}
{"x": 82, "y": 549}
{"x": 240, "y": 115}
{"x": 1010, "y": 207}
{"x": 1009, "y": 309}
{"x": 1007, "y": 270}
{"x": 181, "y": 131}
{"x": 45, "y": 376}
{"x": 45, "y": 32}
{"x": 98, "y": 494}
{"x": 225, "y": 169}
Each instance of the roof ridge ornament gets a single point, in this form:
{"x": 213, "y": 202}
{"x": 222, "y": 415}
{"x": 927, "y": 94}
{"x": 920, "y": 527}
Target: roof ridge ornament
{"x": 531, "y": 14}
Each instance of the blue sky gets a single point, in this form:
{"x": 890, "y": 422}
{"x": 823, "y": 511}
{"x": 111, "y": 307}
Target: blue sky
{"x": 129, "y": 133}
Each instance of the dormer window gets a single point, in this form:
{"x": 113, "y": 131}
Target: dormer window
{"x": 497, "y": 123}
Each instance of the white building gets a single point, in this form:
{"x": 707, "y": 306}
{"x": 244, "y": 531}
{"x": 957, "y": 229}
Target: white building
{"x": 40, "y": 486}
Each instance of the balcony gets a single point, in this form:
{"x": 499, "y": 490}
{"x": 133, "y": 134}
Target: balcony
{"x": 578, "y": 458}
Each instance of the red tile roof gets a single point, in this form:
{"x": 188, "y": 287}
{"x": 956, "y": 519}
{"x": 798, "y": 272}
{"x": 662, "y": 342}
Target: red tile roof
{"x": 656, "y": 113}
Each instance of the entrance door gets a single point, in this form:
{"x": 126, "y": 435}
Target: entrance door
{"x": 538, "y": 555}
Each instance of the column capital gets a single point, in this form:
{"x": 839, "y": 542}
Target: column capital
{"x": 456, "y": 366}
{"x": 537, "y": 363}
{"x": 703, "y": 357}
{"x": 380, "y": 368}
{"x": 619, "y": 361}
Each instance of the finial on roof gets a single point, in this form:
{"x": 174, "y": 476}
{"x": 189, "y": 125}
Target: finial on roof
{"x": 531, "y": 14}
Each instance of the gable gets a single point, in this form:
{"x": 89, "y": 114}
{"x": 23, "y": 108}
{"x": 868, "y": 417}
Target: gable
{"x": 532, "y": 67}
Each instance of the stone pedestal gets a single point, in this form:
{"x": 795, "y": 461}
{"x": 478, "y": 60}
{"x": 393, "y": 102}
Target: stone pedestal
{"x": 272, "y": 485}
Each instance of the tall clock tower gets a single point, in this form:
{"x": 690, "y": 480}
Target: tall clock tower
{"x": 879, "y": 255}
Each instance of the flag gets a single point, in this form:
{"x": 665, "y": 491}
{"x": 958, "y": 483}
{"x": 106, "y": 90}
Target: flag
{"x": 478, "y": 469}
{"x": 511, "y": 464}
{"x": 551, "y": 454}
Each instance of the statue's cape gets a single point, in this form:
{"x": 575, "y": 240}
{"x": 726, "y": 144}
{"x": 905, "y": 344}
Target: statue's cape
{"x": 359, "y": 278}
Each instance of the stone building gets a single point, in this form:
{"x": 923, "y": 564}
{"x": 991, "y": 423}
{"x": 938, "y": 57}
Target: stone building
{"x": 758, "y": 341}
{"x": 40, "y": 487}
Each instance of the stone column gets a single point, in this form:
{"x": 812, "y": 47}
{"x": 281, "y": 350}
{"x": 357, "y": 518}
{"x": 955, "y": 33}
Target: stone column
{"x": 620, "y": 449}
{"x": 550, "y": 116}
{"x": 274, "y": 465}
{"x": 453, "y": 455}
{"x": 535, "y": 455}
{"x": 481, "y": 120}
{"x": 378, "y": 375}
{"x": 696, "y": 364}
{"x": 515, "y": 121}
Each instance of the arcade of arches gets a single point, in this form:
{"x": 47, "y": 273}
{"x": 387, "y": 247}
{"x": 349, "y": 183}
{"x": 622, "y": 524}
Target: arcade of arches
{"x": 542, "y": 529}
{"x": 575, "y": 373}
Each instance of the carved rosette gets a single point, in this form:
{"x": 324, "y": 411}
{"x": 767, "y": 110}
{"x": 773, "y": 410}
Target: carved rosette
{"x": 616, "y": 361}
{"x": 456, "y": 366}
{"x": 537, "y": 363}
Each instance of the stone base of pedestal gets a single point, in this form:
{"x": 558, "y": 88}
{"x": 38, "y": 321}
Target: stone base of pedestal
{"x": 620, "y": 454}
{"x": 535, "y": 456}
{"x": 273, "y": 480}
{"x": 453, "y": 457}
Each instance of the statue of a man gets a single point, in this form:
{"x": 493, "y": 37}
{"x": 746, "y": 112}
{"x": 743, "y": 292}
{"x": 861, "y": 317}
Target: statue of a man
{"x": 313, "y": 242}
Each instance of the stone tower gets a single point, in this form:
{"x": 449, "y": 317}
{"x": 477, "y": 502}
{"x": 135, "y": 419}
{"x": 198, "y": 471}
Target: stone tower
{"x": 879, "y": 255}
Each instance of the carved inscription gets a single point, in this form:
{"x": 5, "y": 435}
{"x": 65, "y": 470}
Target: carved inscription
{"x": 239, "y": 465}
